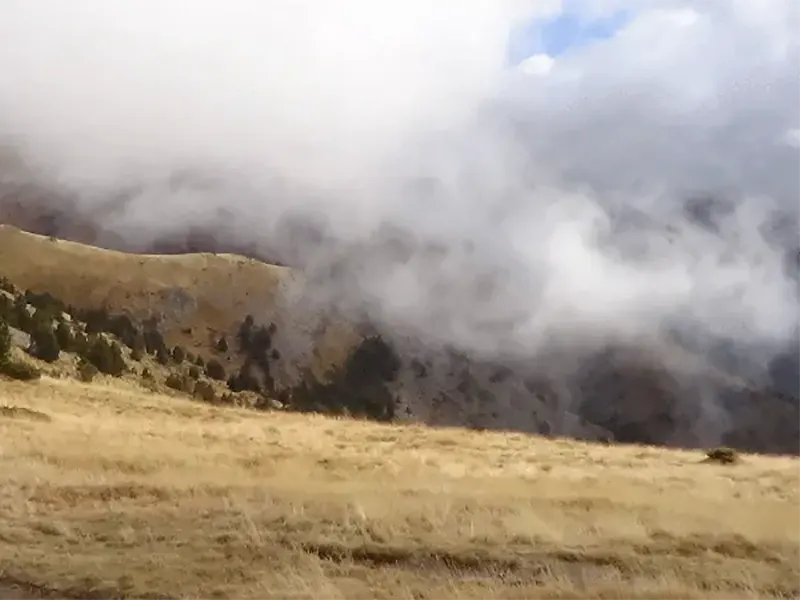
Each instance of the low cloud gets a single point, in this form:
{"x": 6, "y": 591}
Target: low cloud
{"x": 489, "y": 206}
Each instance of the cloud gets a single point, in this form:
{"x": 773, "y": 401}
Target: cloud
{"x": 538, "y": 64}
{"x": 489, "y": 207}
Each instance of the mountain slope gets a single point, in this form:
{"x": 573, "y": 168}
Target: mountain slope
{"x": 206, "y": 293}
{"x": 656, "y": 394}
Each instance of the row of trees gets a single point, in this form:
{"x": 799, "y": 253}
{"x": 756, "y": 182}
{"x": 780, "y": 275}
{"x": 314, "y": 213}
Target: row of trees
{"x": 358, "y": 387}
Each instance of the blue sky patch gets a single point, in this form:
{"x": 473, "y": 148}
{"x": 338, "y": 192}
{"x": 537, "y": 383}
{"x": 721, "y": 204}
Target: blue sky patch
{"x": 556, "y": 35}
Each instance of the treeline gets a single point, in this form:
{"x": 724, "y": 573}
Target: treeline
{"x": 359, "y": 387}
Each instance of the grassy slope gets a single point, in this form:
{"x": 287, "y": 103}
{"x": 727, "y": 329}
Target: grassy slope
{"x": 223, "y": 288}
{"x": 111, "y": 489}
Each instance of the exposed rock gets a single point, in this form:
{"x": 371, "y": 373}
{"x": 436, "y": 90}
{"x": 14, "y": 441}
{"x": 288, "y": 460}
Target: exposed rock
{"x": 20, "y": 338}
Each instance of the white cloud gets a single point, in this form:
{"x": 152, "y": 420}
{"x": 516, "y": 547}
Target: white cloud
{"x": 792, "y": 138}
{"x": 538, "y": 64}
{"x": 332, "y": 108}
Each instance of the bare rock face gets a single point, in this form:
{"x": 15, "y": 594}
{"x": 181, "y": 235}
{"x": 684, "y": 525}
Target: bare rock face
{"x": 20, "y": 339}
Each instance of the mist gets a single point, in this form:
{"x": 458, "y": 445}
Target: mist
{"x": 500, "y": 205}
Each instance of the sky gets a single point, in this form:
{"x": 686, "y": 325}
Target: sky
{"x": 510, "y": 134}
{"x": 556, "y": 34}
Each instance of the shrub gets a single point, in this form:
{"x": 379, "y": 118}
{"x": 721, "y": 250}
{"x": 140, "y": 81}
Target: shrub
{"x": 723, "y": 455}
{"x": 6, "y": 307}
{"x": 244, "y": 334}
{"x": 261, "y": 340}
{"x": 123, "y": 328}
{"x": 44, "y": 344}
{"x": 178, "y": 382}
{"x": 80, "y": 343}
{"x": 215, "y": 370}
{"x": 106, "y": 356}
{"x": 205, "y": 391}
{"x": 19, "y": 370}
{"x": 97, "y": 321}
{"x": 12, "y": 368}
{"x": 244, "y": 380}
{"x": 200, "y": 362}
{"x": 7, "y": 286}
{"x": 154, "y": 341}
{"x": 162, "y": 356}
{"x": 222, "y": 344}
{"x": 64, "y": 337}
{"x": 178, "y": 355}
{"x": 86, "y": 370}
{"x": 137, "y": 354}
{"x": 45, "y": 302}
{"x": 194, "y": 372}
{"x": 20, "y": 317}
{"x": 136, "y": 343}
{"x": 358, "y": 387}
{"x": 5, "y": 341}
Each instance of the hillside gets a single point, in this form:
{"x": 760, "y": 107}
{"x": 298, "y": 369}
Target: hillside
{"x": 658, "y": 394}
{"x": 114, "y": 492}
{"x": 197, "y": 296}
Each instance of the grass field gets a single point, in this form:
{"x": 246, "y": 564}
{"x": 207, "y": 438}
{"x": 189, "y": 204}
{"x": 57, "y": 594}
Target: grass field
{"x": 110, "y": 491}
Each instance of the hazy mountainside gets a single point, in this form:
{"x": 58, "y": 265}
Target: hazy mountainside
{"x": 252, "y": 318}
{"x": 35, "y": 208}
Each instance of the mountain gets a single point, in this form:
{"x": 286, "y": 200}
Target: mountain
{"x": 657, "y": 393}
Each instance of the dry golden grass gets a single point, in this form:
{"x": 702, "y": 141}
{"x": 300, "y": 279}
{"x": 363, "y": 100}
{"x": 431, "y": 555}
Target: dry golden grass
{"x": 219, "y": 289}
{"x": 113, "y": 492}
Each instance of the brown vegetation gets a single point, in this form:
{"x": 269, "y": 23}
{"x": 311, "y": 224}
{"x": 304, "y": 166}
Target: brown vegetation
{"x": 197, "y": 296}
{"x": 110, "y": 491}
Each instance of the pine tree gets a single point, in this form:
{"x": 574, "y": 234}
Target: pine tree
{"x": 44, "y": 343}
{"x": 5, "y": 342}
{"x": 65, "y": 337}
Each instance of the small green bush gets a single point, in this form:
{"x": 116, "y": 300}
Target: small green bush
{"x": 205, "y": 391}
{"x": 244, "y": 380}
{"x": 5, "y": 341}
{"x": 106, "y": 356}
{"x": 8, "y": 366}
{"x": 86, "y": 370}
{"x": 162, "y": 356}
{"x": 44, "y": 344}
{"x": 19, "y": 370}
{"x": 7, "y": 286}
{"x": 64, "y": 337}
{"x": 178, "y": 382}
{"x": 215, "y": 370}
{"x": 154, "y": 341}
{"x": 723, "y": 455}
{"x": 178, "y": 355}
